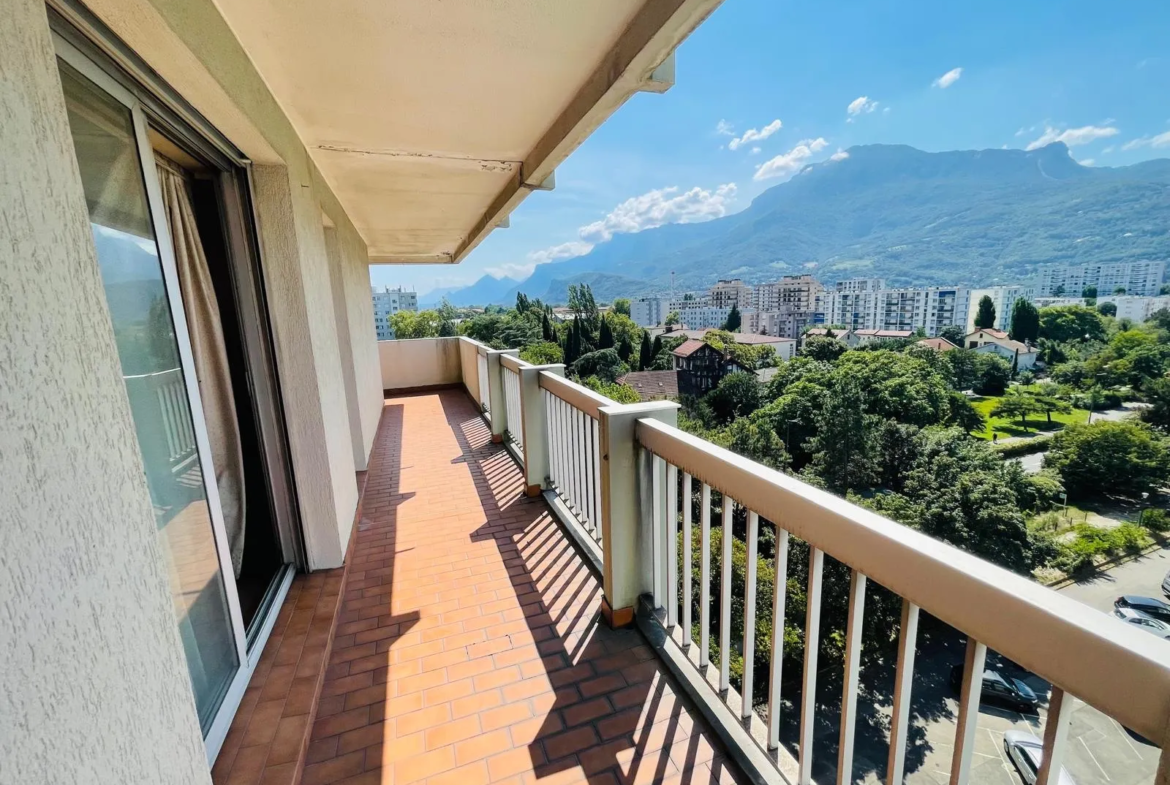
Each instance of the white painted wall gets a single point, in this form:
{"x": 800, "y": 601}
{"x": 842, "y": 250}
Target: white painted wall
{"x": 420, "y": 362}
{"x": 93, "y": 684}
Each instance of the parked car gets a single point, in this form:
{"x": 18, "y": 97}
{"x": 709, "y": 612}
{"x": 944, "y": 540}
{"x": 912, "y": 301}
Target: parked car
{"x": 1001, "y": 689}
{"x": 1142, "y": 621}
{"x": 1147, "y": 606}
{"x": 1166, "y": 585}
{"x": 1027, "y": 753}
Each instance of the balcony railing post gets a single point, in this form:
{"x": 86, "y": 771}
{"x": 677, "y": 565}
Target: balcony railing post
{"x": 625, "y": 531}
{"x": 496, "y": 404}
{"x": 534, "y": 435}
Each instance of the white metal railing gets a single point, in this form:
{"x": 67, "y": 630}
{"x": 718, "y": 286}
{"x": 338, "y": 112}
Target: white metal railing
{"x": 574, "y": 441}
{"x": 510, "y": 370}
{"x": 1124, "y": 673}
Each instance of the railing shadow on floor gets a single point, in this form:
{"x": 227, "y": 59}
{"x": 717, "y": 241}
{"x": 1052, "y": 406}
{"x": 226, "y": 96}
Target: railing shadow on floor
{"x": 612, "y": 712}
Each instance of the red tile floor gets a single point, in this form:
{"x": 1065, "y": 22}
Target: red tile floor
{"x": 470, "y": 648}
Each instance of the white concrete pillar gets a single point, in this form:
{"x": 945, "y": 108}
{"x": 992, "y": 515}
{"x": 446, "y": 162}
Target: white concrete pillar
{"x": 535, "y": 427}
{"x": 626, "y": 529}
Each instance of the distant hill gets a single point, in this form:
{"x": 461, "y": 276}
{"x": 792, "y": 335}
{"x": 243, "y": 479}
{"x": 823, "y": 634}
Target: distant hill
{"x": 914, "y": 218}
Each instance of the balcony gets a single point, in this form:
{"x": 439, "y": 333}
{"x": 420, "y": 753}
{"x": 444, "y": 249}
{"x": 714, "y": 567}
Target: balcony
{"x": 520, "y": 604}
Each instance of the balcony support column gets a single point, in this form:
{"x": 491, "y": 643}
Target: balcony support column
{"x": 496, "y": 404}
{"x": 535, "y": 428}
{"x": 626, "y": 483}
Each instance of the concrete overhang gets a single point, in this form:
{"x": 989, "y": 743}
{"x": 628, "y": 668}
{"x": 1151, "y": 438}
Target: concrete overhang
{"x": 432, "y": 120}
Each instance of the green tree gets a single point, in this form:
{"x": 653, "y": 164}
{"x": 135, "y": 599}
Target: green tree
{"x": 547, "y": 332}
{"x": 672, "y": 319}
{"x": 1016, "y": 404}
{"x": 618, "y": 393}
{"x": 603, "y": 363}
{"x": 964, "y": 368}
{"x": 1025, "y": 326}
{"x": 962, "y": 414}
{"x": 845, "y": 445}
{"x": 823, "y": 349}
{"x": 605, "y": 336}
{"x": 1047, "y": 400}
{"x": 622, "y": 305}
{"x": 415, "y": 324}
{"x": 645, "y": 354}
{"x": 953, "y": 333}
{"x": 985, "y": 316}
{"x": 733, "y": 320}
{"x": 543, "y": 353}
{"x": 991, "y": 374}
{"x": 1089, "y": 292}
{"x": 737, "y": 395}
{"x": 1071, "y": 323}
{"x": 1107, "y": 309}
{"x": 1157, "y": 394}
{"x": 1108, "y": 457}
{"x": 1119, "y": 290}
{"x": 625, "y": 350}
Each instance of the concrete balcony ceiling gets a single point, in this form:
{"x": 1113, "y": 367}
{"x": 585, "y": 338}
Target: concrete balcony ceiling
{"x": 433, "y": 120}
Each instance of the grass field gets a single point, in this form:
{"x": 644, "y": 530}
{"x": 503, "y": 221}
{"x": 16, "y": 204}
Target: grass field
{"x": 1036, "y": 423}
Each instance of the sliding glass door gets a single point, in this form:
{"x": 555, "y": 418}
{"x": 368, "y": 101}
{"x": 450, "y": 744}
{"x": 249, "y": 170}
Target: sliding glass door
{"x": 136, "y": 262}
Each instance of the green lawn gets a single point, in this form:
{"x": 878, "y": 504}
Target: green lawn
{"x": 1036, "y": 422}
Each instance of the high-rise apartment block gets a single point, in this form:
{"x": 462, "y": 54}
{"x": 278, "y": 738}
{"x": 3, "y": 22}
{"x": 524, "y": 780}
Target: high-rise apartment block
{"x": 1070, "y": 280}
{"x": 387, "y": 303}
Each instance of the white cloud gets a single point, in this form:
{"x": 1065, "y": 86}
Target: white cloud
{"x": 789, "y": 163}
{"x": 650, "y": 210}
{"x": 1072, "y": 136}
{"x": 658, "y": 207}
{"x": 1107, "y": 150}
{"x": 723, "y": 128}
{"x": 840, "y": 155}
{"x": 756, "y": 150}
{"x": 947, "y": 79}
{"x": 1087, "y": 162}
{"x": 752, "y": 135}
{"x": 1161, "y": 140}
{"x": 861, "y": 105}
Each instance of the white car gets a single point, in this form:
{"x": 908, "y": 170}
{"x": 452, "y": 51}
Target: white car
{"x": 1141, "y": 620}
{"x": 1027, "y": 753}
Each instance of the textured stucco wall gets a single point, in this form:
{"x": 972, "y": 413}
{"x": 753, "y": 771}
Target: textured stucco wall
{"x": 93, "y": 684}
{"x": 366, "y": 365}
{"x": 420, "y": 362}
{"x": 190, "y": 45}
{"x": 345, "y": 346}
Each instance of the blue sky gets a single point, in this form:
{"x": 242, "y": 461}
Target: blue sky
{"x": 933, "y": 75}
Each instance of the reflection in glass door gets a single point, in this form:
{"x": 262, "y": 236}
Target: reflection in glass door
{"x": 153, "y": 349}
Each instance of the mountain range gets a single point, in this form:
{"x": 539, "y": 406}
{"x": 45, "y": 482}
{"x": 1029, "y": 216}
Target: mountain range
{"x": 974, "y": 218}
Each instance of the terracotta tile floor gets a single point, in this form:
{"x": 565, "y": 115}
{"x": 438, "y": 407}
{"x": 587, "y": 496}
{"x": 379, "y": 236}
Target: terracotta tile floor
{"x": 469, "y": 648}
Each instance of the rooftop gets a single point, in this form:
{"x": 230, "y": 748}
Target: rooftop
{"x": 744, "y": 338}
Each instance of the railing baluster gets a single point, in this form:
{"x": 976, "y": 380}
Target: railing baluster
{"x": 900, "y": 715}
{"x": 687, "y": 513}
{"x": 590, "y": 460}
{"x": 575, "y": 453}
{"x": 656, "y": 499}
{"x": 586, "y": 515}
{"x": 705, "y": 576}
{"x": 725, "y": 598}
{"x": 597, "y": 474}
{"x": 671, "y": 545}
{"x": 749, "y": 614}
{"x": 973, "y": 663}
{"x": 1060, "y": 706}
{"x": 779, "y": 597}
{"x": 853, "y": 633}
{"x": 812, "y": 640}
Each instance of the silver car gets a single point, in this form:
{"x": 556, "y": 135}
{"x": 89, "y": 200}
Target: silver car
{"x": 1142, "y": 621}
{"x": 1027, "y": 753}
{"x": 1166, "y": 585}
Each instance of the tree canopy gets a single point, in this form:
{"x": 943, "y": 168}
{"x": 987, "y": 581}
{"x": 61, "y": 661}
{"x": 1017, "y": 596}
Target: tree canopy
{"x": 985, "y": 316}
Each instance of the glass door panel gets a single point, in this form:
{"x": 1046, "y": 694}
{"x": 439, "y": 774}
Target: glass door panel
{"x": 156, "y": 378}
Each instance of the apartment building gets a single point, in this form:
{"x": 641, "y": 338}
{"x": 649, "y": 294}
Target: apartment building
{"x": 1136, "y": 278}
{"x": 388, "y": 302}
{"x": 792, "y": 293}
{"x": 728, "y": 293}
{"x": 1003, "y": 298}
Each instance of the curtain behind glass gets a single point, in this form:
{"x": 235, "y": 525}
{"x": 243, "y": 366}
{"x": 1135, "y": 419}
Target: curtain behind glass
{"x": 207, "y": 344}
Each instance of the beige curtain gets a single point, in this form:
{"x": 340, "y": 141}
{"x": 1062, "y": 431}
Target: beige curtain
{"x": 211, "y": 363}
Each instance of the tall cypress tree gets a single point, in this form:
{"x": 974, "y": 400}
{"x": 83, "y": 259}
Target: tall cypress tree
{"x": 546, "y": 329}
{"x": 645, "y": 356}
{"x": 1025, "y": 324}
{"x": 605, "y": 335}
{"x": 985, "y": 317}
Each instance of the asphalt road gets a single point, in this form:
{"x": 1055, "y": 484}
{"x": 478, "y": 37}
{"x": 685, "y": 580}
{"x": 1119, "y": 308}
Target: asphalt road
{"x": 1101, "y": 753}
